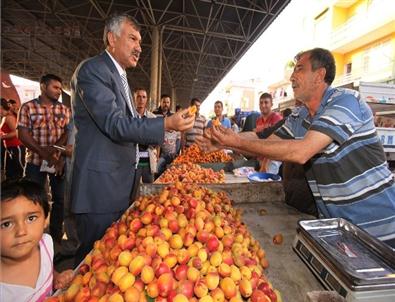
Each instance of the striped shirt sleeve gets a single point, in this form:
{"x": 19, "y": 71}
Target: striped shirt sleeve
{"x": 341, "y": 118}
{"x": 291, "y": 126}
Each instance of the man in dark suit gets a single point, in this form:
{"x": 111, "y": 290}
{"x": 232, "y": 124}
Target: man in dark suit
{"x": 108, "y": 131}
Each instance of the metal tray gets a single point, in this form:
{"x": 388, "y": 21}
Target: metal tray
{"x": 361, "y": 261}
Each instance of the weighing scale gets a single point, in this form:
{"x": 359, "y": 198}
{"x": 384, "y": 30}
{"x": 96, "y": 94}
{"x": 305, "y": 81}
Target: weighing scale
{"x": 347, "y": 259}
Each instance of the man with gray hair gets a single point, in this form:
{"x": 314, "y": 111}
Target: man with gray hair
{"x": 108, "y": 132}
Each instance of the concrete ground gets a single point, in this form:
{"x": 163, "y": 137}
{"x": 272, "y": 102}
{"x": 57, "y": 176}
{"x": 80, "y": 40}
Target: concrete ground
{"x": 286, "y": 271}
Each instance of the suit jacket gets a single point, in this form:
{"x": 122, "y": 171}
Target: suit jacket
{"x": 105, "y": 143}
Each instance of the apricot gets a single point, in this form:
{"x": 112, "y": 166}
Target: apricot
{"x": 216, "y": 122}
{"x": 192, "y": 110}
{"x": 228, "y": 286}
{"x": 124, "y": 258}
{"x": 278, "y": 239}
{"x": 116, "y": 298}
{"x": 147, "y": 274}
{"x": 126, "y": 281}
{"x": 132, "y": 294}
{"x": 180, "y": 298}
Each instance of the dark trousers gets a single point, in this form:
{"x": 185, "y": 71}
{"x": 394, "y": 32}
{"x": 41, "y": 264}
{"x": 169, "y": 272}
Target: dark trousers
{"x": 56, "y": 183}
{"x": 14, "y": 162}
{"x": 91, "y": 227}
{"x": 71, "y": 244}
{"x": 141, "y": 174}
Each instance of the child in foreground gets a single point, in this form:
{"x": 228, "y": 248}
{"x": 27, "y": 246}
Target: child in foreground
{"x": 27, "y": 272}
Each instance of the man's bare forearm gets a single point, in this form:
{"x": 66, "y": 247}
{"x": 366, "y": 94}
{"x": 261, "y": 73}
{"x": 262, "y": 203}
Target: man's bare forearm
{"x": 28, "y": 141}
{"x": 282, "y": 150}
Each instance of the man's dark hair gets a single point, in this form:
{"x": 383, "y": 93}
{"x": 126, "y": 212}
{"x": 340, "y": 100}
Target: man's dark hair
{"x": 5, "y": 105}
{"x": 140, "y": 89}
{"x": 45, "y": 79}
{"x": 219, "y": 102}
{"x": 266, "y": 95}
{"x": 165, "y": 96}
{"x": 113, "y": 24}
{"x": 178, "y": 107}
{"x": 11, "y": 101}
{"x": 11, "y": 189}
{"x": 195, "y": 100}
{"x": 321, "y": 58}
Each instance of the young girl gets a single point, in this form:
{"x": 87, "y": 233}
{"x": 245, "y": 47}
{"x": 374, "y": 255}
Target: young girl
{"x": 27, "y": 272}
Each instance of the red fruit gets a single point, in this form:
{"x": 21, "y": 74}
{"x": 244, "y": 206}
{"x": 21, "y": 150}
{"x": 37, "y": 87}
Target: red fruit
{"x": 272, "y": 295}
{"x": 99, "y": 289}
{"x": 173, "y": 226}
{"x": 171, "y": 295}
{"x": 129, "y": 243}
{"x": 180, "y": 209}
{"x": 203, "y": 236}
{"x": 185, "y": 287}
{"x": 181, "y": 272}
{"x": 192, "y": 202}
{"x": 139, "y": 285}
{"x": 165, "y": 284}
{"x": 212, "y": 244}
{"x": 191, "y": 213}
{"x": 197, "y": 263}
{"x": 163, "y": 268}
{"x": 84, "y": 268}
{"x": 264, "y": 287}
{"x": 259, "y": 296}
{"x": 109, "y": 242}
{"x": 135, "y": 225}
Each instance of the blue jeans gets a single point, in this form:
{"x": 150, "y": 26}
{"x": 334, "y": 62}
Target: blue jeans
{"x": 33, "y": 173}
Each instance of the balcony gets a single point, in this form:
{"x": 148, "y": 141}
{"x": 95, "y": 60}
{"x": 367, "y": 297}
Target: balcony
{"x": 376, "y": 22}
{"x": 383, "y": 74}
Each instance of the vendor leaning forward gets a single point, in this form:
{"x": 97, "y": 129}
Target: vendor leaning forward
{"x": 334, "y": 136}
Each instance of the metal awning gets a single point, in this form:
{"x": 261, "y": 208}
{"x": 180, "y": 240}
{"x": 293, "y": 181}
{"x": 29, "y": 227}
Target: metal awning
{"x": 201, "y": 40}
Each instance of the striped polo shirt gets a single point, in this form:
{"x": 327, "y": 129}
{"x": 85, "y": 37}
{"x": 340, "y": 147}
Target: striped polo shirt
{"x": 349, "y": 178}
{"x": 196, "y": 131}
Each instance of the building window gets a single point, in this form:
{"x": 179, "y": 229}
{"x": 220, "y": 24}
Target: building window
{"x": 348, "y": 68}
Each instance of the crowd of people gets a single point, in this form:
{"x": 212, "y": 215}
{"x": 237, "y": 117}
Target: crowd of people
{"x": 95, "y": 154}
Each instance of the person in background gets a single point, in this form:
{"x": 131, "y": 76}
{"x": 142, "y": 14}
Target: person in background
{"x": 14, "y": 106}
{"x": 250, "y": 122}
{"x": 164, "y": 107}
{"x": 178, "y": 142}
{"x": 168, "y": 150}
{"x": 70, "y": 244}
{"x": 27, "y": 272}
{"x": 218, "y": 109}
{"x": 189, "y": 137}
{"x": 14, "y": 158}
{"x": 109, "y": 131}
{"x": 267, "y": 119}
{"x": 147, "y": 166}
{"x": 333, "y": 136}
{"x": 234, "y": 126}
{"x": 42, "y": 123}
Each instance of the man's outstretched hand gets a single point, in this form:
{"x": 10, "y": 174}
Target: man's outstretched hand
{"x": 179, "y": 121}
{"x": 206, "y": 143}
{"x": 225, "y": 137}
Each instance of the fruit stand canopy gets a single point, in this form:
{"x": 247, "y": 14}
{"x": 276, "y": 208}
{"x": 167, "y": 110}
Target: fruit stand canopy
{"x": 201, "y": 40}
